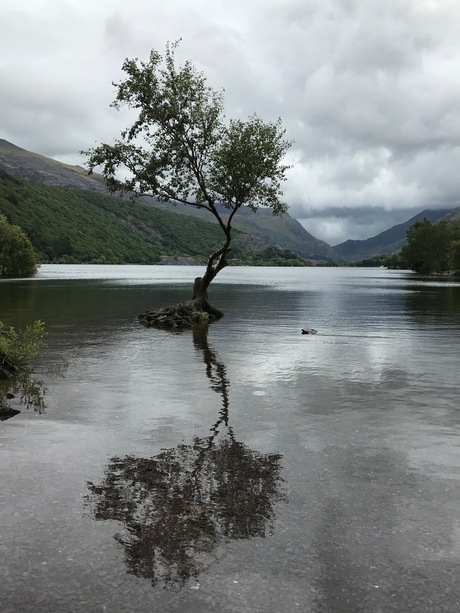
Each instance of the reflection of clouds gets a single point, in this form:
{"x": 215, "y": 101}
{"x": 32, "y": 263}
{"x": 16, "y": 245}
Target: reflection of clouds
{"x": 367, "y": 331}
{"x": 362, "y": 328}
{"x": 137, "y": 376}
{"x": 437, "y": 434}
{"x": 337, "y": 357}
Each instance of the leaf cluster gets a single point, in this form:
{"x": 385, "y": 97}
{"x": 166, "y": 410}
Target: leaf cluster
{"x": 18, "y": 346}
{"x": 181, "y": 149}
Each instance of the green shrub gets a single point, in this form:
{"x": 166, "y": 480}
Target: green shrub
{"x": 19, "y": 346}
{"x": 17, "y": 256}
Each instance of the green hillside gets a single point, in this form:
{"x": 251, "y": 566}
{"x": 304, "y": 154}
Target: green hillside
{"x": 72, "y": 225}
{"x": 283, "y": 232}
{"x": 69, "y": 225}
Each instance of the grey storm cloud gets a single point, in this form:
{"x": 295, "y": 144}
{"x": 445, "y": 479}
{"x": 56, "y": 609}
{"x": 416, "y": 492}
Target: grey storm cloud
{"x": 368, "y": 90}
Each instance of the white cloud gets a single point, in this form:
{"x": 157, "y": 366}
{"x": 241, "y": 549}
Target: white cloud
{"x": 368, "y": 89}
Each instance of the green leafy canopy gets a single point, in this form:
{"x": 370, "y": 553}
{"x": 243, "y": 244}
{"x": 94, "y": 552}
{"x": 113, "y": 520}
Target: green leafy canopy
{"x": 19, "y": 346}
{"x": 433, "y": 248}
{"x": 181, "y": 149}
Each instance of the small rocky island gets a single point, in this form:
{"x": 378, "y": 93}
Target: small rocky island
{"x": 177, "y": 317}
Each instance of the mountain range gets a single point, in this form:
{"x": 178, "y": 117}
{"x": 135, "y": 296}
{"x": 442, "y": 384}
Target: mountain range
{"x": 387, "y": 242}
{"x": 256, "y": 232}
{"x": 40, "y": 169}
{"x": 265, "y": 228}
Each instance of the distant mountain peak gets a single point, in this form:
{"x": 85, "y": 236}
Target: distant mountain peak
{"x": 385, "y": 242}
{"x": 5, "y": 144}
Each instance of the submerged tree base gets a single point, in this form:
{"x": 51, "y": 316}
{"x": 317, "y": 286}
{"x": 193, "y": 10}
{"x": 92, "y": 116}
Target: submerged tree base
{"x": 180, "y": 316}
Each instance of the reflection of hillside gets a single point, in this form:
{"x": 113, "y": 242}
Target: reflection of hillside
{"x": 82, "y": 302}
{"x": 177, "y": 506}
{"x": 429, "y": 301}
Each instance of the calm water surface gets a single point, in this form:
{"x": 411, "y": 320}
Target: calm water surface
{"x": 248, "y": 469}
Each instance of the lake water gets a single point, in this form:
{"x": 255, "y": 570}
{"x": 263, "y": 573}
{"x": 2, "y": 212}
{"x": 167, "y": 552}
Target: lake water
{"x": 247, "y": 469}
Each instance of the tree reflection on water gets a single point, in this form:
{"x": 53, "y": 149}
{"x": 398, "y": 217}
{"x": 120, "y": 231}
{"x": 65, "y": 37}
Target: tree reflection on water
{"x": 177, "y": 506}
{"x": 26, "y": 390}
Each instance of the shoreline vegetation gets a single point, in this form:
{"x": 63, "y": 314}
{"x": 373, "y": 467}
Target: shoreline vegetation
{"x": 17, "y": 348}
{"x": 431, "y": 249}
{"x": 17, "y": 255}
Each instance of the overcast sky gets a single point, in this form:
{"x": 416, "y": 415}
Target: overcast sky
{"x": 368, "y": 89}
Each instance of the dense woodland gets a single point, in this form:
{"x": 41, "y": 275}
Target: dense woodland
{"x": 71, "y": 226}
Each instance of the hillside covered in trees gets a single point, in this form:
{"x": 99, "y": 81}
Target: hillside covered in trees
{"x": 265, "y": 229}
{"x": 70, "y": 225}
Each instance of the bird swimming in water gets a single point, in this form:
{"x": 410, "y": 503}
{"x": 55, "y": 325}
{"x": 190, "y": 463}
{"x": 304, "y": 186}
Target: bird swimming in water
{"x": 308, "y": 331}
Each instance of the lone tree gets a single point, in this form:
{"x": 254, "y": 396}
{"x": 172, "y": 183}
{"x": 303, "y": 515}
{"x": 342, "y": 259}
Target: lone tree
{"x": 180, "y": 149}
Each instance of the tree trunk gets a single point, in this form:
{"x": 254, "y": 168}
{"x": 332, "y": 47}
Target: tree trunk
{"x": 200, "y": 291}
{"x": 200, "y": 298}
{"x": 186, "y": 315}
{"x": 217, "y": 261}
